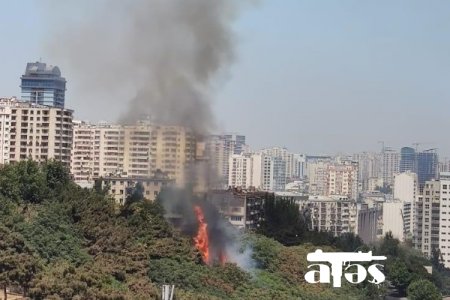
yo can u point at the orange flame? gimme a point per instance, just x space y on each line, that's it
201 240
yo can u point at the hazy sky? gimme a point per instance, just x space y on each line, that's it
314 76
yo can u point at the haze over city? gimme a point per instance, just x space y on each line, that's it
312 76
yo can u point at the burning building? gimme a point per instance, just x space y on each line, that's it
243 209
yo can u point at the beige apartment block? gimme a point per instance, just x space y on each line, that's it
32 131
426 233
122 187
5 129
133 151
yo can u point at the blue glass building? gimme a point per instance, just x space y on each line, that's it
43 84
428 162
408 160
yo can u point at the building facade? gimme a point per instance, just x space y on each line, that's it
5 130
335 214
444 219
32 131
101 150
242 208
427 225
427 166
120 188
42 84
390 165
342 179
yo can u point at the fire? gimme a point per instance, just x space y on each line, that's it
201 240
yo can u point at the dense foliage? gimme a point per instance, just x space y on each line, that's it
59 241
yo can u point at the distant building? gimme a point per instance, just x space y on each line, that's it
428 215
317 177
240 171
406 189
42 84
120 188
370 222
342 179
219 148
369 169
139 150
242 208
335 214
390 165
393 219
444 217
407 160
374 183
427 166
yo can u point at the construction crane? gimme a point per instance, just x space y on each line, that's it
417 144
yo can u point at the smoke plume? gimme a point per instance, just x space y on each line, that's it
225 241
145 57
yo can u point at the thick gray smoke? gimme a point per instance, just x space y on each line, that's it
224 239
146 57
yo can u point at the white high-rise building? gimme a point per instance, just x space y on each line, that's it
335 214
405 191
369 167
33 131
286 156
5 130
405 186
390 165
427 224
444 219
240 174
219 149
257 170
392 219
299 171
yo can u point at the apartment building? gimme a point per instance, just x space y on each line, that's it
317 176
122 187
258 170
33 131
5 130
370 222
240 171
390 165
133 151
444 219
244 209
369 169
342 179
426 230
335 214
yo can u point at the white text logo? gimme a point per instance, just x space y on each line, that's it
354 273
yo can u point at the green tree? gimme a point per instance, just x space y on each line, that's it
423 290
23 182
282 221
399 274
389 245
18 265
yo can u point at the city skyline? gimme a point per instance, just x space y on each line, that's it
351 75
